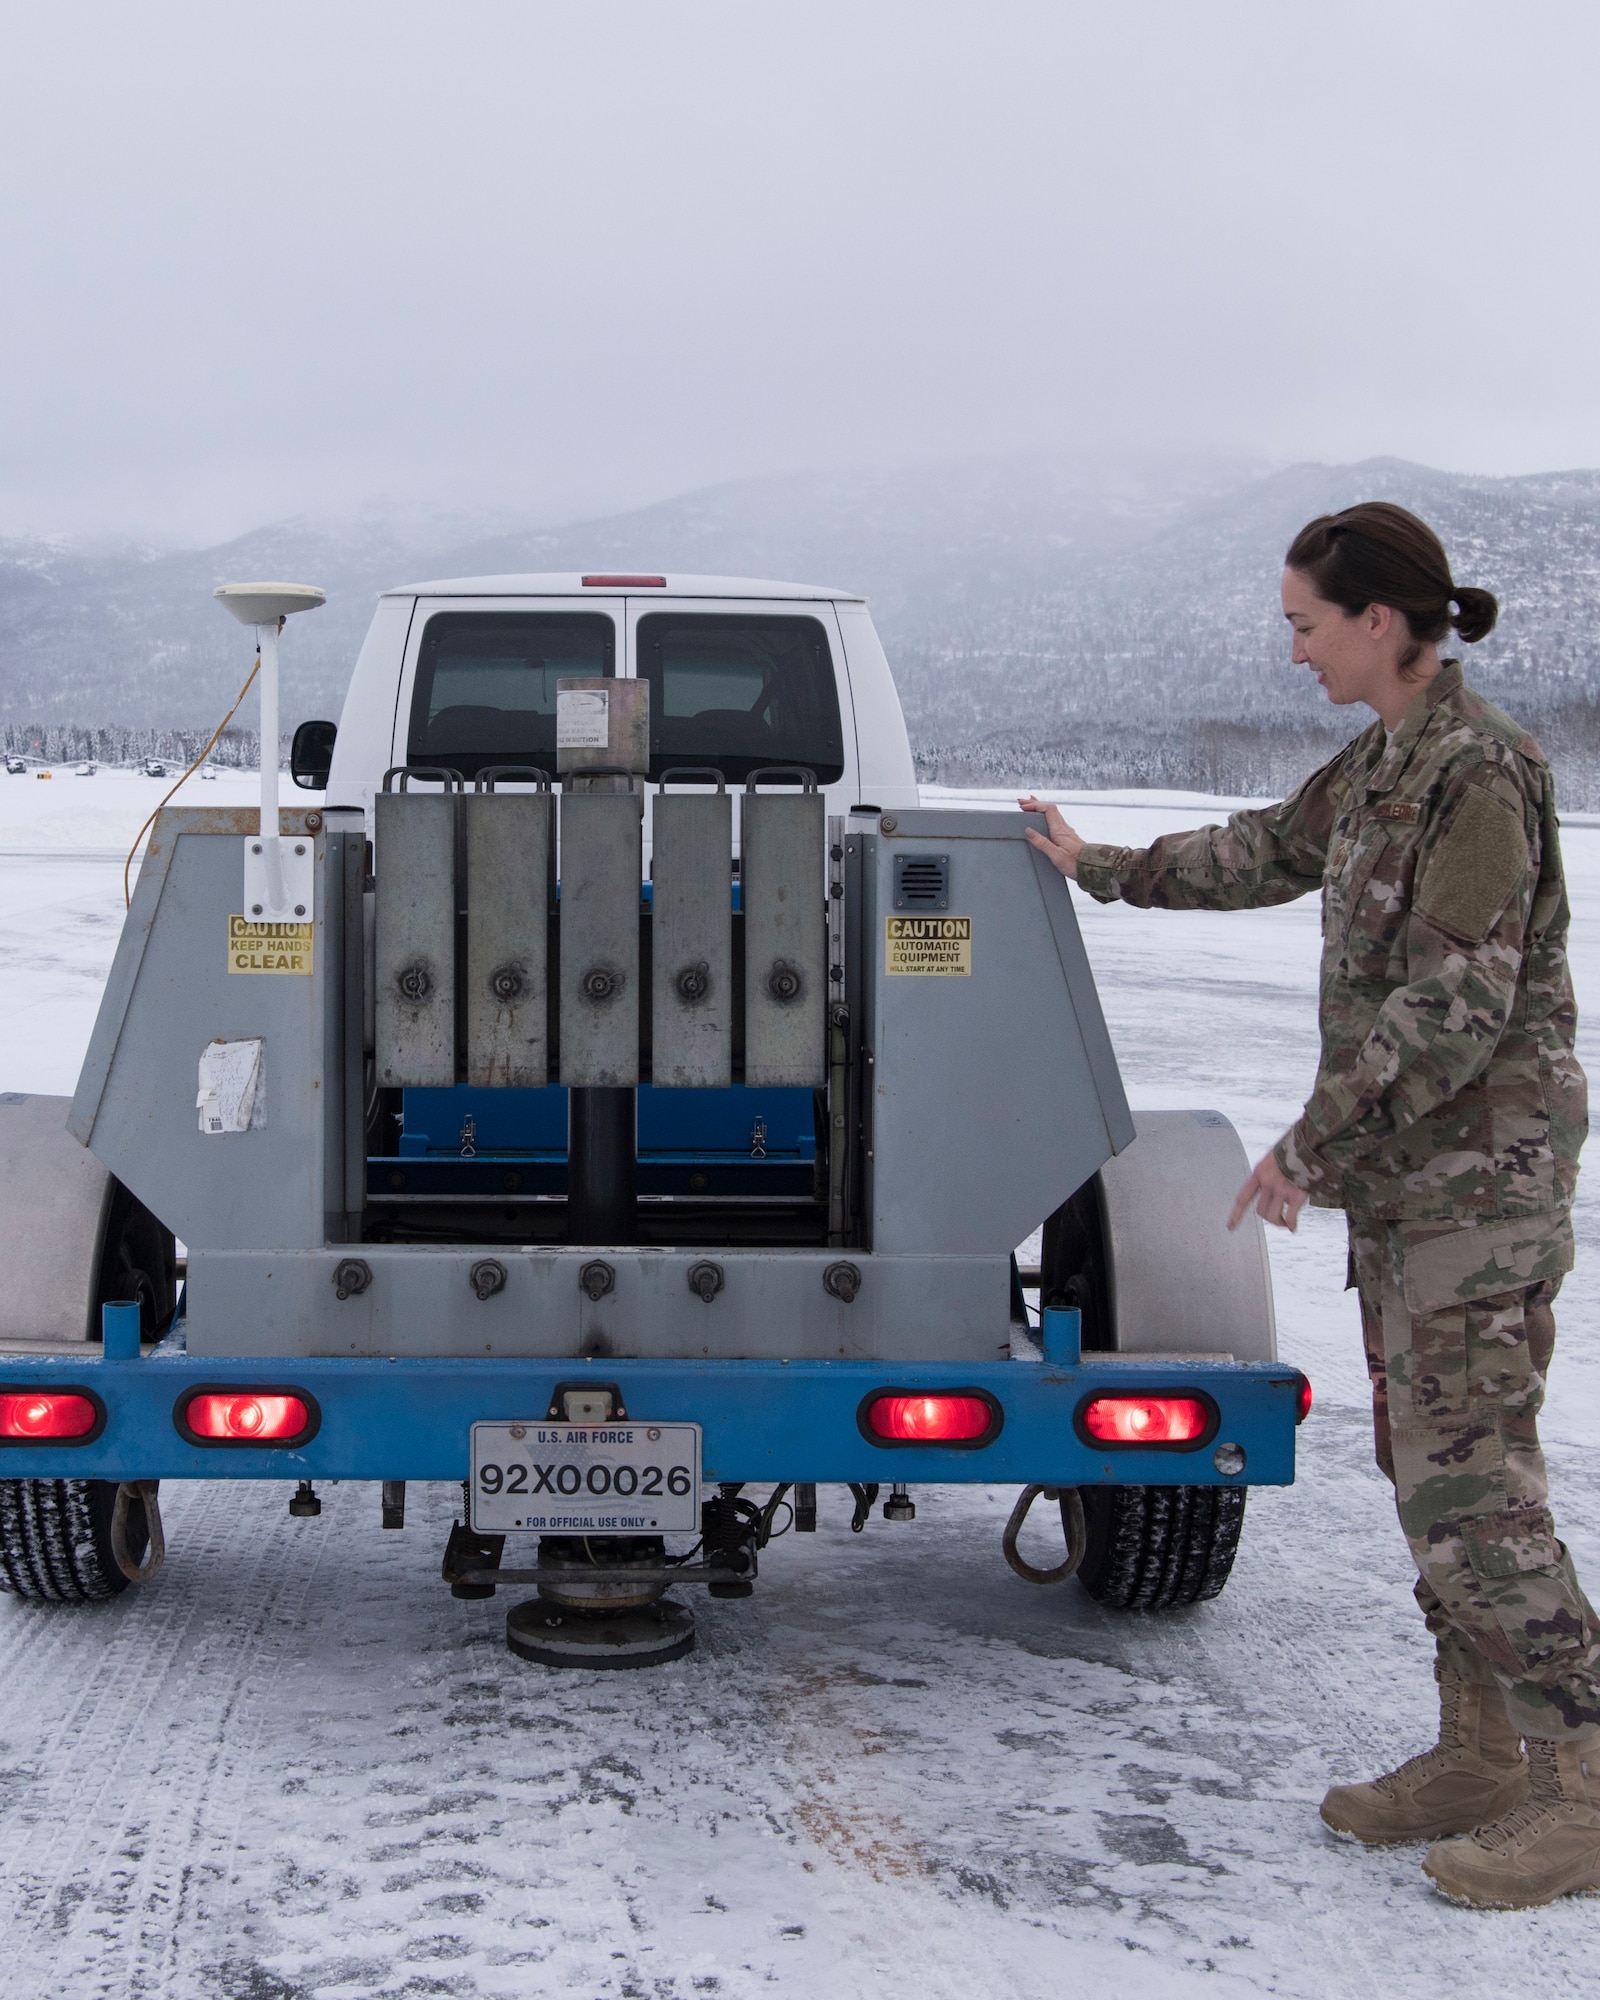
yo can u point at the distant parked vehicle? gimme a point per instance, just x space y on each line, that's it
209 775
16 767
154 768
86 770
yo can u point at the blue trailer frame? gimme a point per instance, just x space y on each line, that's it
406 1418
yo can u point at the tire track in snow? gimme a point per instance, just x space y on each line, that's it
293 1777
154 1745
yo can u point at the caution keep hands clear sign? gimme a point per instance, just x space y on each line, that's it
256 947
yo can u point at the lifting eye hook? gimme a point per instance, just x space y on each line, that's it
1073 1526
144 1490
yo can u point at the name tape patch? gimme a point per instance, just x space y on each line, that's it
939 947
1394 809
256 947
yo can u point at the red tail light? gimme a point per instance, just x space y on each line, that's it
624 583
44 1414
962 1418
1145 1419
1302 1407
247 1416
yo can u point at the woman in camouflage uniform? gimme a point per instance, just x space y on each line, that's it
1446 1120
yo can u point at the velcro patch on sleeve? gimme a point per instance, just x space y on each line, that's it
1469 877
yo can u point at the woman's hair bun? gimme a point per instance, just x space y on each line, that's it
1476 611
1378 553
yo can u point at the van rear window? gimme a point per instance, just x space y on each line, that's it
739 691
486 684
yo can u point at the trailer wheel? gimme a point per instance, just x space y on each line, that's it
55 1540
1152 1548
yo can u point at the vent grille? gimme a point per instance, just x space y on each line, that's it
922 881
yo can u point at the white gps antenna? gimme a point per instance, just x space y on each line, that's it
277 883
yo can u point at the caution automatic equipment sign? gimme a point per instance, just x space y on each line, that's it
268 947
929 946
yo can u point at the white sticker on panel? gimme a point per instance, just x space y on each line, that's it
583 719
232 1095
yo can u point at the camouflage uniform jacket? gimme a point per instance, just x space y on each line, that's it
1448 1089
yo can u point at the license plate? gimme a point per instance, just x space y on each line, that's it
586 1479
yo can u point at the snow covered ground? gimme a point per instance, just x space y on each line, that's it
297 1767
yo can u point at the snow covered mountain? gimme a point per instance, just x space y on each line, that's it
1076 621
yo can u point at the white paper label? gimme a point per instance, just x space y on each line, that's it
231 1097
583 719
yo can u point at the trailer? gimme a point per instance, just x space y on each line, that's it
621 1096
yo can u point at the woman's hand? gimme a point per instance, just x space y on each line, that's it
1061 844
1277 1199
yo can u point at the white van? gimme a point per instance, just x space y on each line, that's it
742 675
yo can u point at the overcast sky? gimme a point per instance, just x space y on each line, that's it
262 260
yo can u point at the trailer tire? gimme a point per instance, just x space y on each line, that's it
1154 1548
55 1540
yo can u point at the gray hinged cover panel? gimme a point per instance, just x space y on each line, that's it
994 1090
510 877
414 873
783 881
691 1037
281 1182
601 864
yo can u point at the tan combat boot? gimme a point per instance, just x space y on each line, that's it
1474 1773
1548 1847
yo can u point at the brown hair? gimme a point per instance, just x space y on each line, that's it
1378 553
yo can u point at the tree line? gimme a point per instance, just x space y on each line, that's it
74 743
1236 759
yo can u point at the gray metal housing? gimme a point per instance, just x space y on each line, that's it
985 1097
772 1303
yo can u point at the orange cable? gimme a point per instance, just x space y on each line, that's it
127 896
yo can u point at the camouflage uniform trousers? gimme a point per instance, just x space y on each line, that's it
1458 1358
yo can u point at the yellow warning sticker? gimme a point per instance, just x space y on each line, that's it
268 947
939 946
